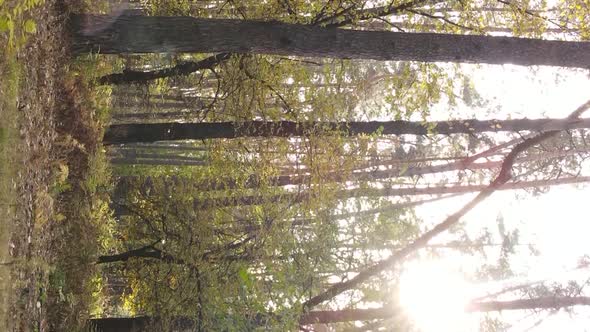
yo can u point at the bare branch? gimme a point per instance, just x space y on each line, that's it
504 176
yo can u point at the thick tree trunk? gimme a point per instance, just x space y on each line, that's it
132 133
337 20
120 324
145 34
141 324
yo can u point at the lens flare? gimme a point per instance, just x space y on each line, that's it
434 297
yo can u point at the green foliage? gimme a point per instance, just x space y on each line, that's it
15 24
240 242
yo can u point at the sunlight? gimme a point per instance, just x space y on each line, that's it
434 296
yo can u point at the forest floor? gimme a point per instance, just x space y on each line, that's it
54 177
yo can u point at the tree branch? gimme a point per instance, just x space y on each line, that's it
504 176
185 68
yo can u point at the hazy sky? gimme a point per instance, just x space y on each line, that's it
558 222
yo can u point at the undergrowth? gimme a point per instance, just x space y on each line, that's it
75 283
77 223
17 23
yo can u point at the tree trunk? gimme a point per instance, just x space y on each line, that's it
132 133
167 146
145 34
549 302
345 315
337 20
145 252
141 324
376 192
348 315
156 162
144 323
402 170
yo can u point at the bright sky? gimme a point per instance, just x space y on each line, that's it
556 222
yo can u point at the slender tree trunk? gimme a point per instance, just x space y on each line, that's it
168 146
348 315
142 158
345 315
374 192
145 323
156 105
131 133
253 181
153 34
154 116
156 162
137 95
146 252
549 302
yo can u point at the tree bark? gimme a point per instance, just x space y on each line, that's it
146 323
155 162
145 252
141 324
549 302
402 170
141 132
345 315
142 158
375 192
338 20
181 69
153 34
348 315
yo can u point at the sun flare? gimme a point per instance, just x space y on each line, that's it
434 297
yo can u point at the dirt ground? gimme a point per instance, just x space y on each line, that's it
32 158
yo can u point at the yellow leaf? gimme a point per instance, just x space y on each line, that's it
30 26
59 217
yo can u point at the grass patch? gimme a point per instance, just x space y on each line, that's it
17 23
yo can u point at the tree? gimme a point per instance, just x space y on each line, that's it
324 18
139 324
346 315
141 34
142 132
132 324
